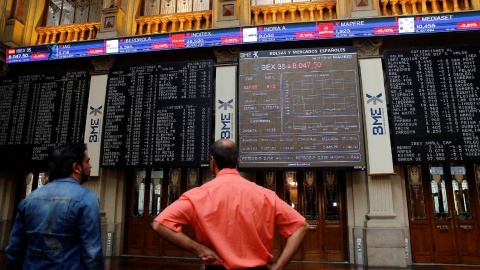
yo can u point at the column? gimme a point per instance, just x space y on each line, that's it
226 85
385 237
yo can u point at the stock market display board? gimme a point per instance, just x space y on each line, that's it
435 104
300 108
39 112
158 115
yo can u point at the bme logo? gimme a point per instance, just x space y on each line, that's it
225 105
374 99
226 119
94 124
377 115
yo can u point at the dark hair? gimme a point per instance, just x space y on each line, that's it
225 154
63 157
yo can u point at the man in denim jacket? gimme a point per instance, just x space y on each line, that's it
58 225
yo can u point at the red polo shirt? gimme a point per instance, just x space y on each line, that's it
235 217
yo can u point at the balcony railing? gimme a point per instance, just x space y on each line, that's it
293 12
174 22
67 32
390 7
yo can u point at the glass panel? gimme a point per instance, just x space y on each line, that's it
269 181
291 192
68 11
184 6
28 184
81 11
139 193
310 196
193 178
174 185
152 7
476 168
42 179
417 202
263 2
332 204
439 193
200 5
156 192
54 8
95 13
168 6
460 193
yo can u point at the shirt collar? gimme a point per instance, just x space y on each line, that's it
227 171
68 179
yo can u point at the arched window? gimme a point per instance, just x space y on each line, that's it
61 12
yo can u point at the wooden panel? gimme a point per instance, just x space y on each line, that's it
334 242
421 243
444 244
449 241
312 245
153 242
135 238
467 244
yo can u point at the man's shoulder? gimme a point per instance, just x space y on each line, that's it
62 188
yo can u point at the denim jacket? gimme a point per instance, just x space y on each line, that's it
57 227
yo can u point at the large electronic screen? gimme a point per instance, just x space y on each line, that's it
435 104
158 115
300 108
39 112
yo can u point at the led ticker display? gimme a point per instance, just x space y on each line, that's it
351 28
300 108
211 38
78 49
362 28
438 23
275 33
28 54
138 44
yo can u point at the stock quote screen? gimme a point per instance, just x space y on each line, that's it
300 108
434 100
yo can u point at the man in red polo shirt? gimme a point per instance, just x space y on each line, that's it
233 218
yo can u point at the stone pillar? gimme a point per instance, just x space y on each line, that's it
385 233
33 10
115 205
381 212
112 24
17 10
12 35
360 9
357 208
225 92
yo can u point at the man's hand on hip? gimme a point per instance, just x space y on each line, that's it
207 254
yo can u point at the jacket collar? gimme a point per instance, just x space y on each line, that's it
67 179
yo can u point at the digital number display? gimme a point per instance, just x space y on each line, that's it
28 54
434 100
78 49
351 28
300 108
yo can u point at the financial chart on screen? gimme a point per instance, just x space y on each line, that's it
300 108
